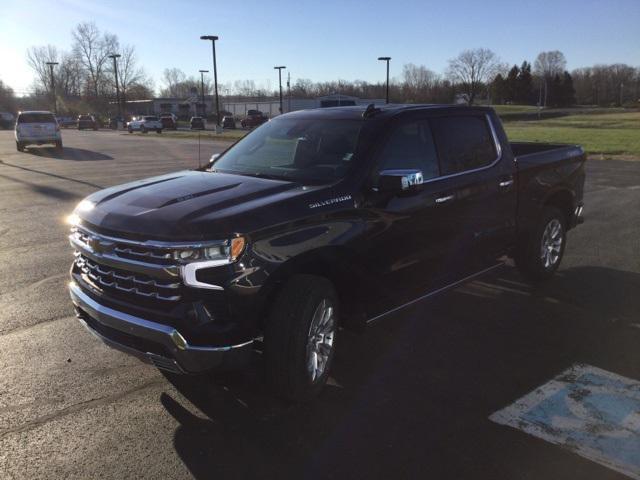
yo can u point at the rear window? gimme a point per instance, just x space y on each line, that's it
36 118
463 143
85 117
151 118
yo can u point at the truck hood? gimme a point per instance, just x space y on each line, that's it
190 205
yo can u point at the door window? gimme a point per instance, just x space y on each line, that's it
410 146
464 143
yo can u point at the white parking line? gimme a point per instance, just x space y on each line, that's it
590 411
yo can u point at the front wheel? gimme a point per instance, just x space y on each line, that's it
299 338
59 145
20 146
538 257
159 130
143 129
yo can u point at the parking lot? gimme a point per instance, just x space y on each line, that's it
410 398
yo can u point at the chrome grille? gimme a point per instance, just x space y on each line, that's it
128 282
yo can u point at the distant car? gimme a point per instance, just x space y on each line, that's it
87 122
253 119
145 124
6 120
65 122
197 123
37 128
169 121
228 121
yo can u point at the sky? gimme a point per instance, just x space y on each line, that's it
324 40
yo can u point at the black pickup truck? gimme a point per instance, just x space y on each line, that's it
317 220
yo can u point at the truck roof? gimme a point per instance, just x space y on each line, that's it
387 110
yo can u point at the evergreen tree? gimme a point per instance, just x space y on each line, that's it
568 91
512 84
524 87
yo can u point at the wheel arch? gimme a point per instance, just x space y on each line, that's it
563 200
338 264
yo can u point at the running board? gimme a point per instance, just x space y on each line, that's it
435 292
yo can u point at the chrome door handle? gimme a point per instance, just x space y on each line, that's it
506 183
448 198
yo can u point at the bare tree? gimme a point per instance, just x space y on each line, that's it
548 65
473 69
172 78
93 49
418 82
7 98
129 73
37 58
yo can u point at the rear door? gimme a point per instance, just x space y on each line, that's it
481 182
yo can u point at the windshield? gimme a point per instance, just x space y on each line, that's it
297 149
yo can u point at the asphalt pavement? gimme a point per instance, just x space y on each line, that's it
409 398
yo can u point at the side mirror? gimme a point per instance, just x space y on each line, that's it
404 180
213 158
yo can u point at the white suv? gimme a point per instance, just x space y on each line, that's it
145 124
37 128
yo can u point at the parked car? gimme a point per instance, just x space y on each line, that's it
7 120
228 121
37 128
66 122
169 121
145 124
253 119
319 219
197 123
88 122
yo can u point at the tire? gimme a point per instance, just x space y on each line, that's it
59 145
539 255
143 129
130 130
20 146
290 352
159 130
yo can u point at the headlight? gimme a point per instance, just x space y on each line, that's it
83 206
228 251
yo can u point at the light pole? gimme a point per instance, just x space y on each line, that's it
280 82
202 72
53 87
115 57
213 39
386 59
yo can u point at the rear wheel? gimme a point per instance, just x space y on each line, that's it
143 129
159 130
539 255
59 145
20 146
299 338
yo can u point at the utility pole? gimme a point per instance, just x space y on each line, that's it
213 39
621 93
280 83
289 91
115 57
386 59
53 87
202 72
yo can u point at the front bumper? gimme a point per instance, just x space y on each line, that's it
154 342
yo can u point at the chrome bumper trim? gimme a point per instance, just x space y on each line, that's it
190 358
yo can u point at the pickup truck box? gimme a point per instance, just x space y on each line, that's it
318 219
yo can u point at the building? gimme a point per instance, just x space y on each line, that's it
191 107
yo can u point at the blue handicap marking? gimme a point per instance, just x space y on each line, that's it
593 412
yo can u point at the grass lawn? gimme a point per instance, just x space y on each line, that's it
607 134
225 136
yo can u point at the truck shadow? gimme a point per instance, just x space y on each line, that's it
68 153
414 392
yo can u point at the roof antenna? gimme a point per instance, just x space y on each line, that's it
370 111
